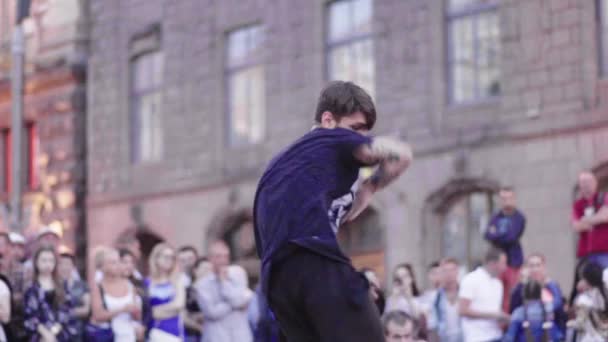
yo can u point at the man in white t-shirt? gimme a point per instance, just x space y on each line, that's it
480 299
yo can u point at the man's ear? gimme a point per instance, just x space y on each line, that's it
328 120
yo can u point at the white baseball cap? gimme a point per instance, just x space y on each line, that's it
16 238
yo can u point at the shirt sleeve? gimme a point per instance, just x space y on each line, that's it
212 310
348 141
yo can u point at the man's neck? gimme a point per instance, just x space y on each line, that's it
508 211
590 197
451 287
487 269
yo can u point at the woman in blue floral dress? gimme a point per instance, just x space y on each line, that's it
47 315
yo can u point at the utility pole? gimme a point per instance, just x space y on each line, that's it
17 126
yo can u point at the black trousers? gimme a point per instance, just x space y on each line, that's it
316 299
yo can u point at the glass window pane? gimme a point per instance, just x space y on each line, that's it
364 61
237 47
362 17
239 104
257 94
141 76
341 63
463 82
465 5
256 44
157 69
454 241
354 62
340 23
462 39
480 216
475 56
150 127
464 226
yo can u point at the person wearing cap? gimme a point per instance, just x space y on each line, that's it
49 236
17 242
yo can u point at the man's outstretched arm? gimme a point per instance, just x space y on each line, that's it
392 156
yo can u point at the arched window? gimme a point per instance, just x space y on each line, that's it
140 240
235 227
454 221
463 227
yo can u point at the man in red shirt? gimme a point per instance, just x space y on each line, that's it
590 220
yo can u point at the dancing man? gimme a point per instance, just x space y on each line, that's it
305 194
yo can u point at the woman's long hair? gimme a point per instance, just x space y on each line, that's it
155 273
532 292
414 288
593 273
57 283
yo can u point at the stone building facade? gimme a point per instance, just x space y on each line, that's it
489 92
54 114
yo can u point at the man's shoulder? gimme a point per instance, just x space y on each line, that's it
470 278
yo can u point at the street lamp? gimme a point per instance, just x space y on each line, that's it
18 60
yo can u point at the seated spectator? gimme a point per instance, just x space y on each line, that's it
186 258
444 317
193 319
533 321
405 293
224 298
481 299
47 313
591 323
114 300
166 296
434 279
76 292
399 327
551 293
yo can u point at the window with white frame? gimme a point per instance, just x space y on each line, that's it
473 46
349 42
246 85
146 107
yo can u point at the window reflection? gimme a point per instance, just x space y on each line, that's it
246 86
463 228
350 45
474 50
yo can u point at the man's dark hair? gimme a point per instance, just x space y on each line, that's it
532 290
493 254
400 318
434 264
68 256
124 252
506 189
450 260
343 99
188 249
410 269
200 260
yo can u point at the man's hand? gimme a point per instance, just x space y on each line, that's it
503 317
222 273
363 198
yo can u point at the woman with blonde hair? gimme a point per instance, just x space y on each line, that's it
166 296
116 307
